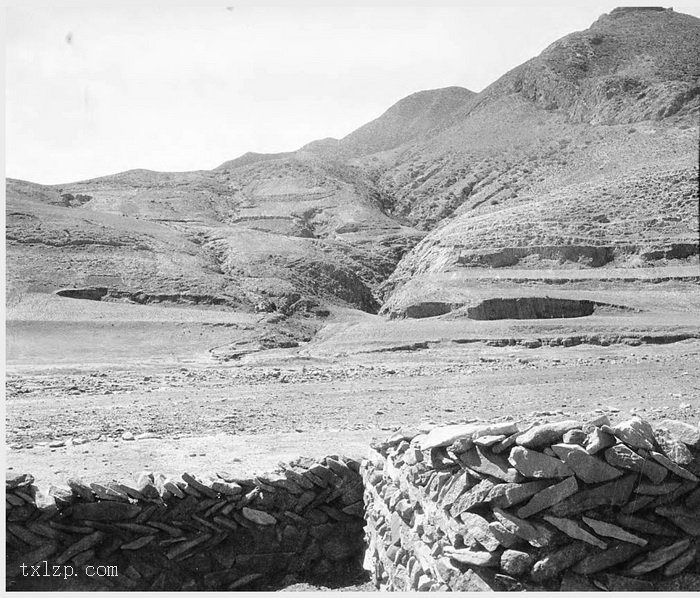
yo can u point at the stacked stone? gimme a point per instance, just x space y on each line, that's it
568 505
225 533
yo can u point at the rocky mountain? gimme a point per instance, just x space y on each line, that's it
583 158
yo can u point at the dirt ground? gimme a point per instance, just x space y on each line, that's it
333 395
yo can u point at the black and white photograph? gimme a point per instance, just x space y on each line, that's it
351 296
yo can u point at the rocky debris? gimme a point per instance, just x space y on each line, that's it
192 533
619 517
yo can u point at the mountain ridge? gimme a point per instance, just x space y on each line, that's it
440 176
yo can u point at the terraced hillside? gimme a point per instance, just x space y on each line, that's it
584 157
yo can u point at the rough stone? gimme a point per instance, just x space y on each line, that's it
534 464
574 436
598 440
479 529
681 562
619 583
505 537
473 557
534 534
446 435
549 497
515 562
686 519
644 525
454 489
105 511
658 558
587 468
623 456
682 431
558 560
572 582
610 530
482 461
573 530
672 467
489 441
546 434
673 448
635 432
613 493
472 498
412 456
507 495
599 560
259 517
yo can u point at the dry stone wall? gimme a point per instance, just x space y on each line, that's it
189 534
567 505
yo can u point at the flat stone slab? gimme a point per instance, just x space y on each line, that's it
599 560
587 468
548 497
105 511
534 534
446 435
573 530
635 432
672 448
471 498
613 493
483 461
598 440
546 434
624 457
603 528
479 530
508 495
658 558
558 560
682 431
534 464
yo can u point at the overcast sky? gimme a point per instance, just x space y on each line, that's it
94 91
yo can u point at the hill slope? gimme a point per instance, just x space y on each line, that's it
583 157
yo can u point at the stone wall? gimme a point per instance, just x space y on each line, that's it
555 506
192 534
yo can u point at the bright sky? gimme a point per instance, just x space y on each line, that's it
96 90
